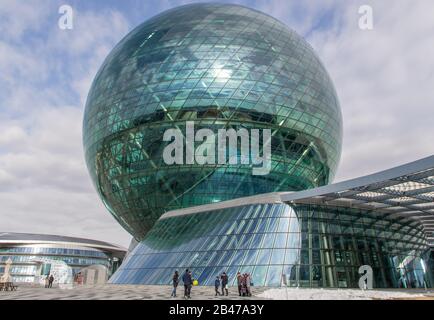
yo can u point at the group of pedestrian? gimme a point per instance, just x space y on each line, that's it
49 279
187 279
244 281
223 281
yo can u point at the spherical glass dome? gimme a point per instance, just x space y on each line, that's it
220 66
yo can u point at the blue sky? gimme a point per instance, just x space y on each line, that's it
384 79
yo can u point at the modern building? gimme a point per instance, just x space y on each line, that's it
31 254
313 238
222 67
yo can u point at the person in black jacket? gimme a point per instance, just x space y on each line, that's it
50 281
175 279
188 281
239 280
224 278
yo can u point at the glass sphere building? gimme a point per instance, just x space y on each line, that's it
221 66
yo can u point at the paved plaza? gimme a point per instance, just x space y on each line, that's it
120 292
141 292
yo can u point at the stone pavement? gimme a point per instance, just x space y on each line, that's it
121 292
142 292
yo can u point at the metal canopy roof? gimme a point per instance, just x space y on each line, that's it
407 191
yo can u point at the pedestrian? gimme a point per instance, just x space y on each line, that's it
175 280
239 279
244 285
217 286
188 281
224 278
248 284
47 278
50 281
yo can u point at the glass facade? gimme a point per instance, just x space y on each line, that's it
24 258
279 244
222 66
431 261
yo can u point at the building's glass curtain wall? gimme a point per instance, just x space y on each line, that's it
308 246
336 241
222 66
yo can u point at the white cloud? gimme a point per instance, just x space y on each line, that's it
384 79
12 136
44 184
5 177
34 210
18 17
300 16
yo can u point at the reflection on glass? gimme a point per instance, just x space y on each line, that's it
322 259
